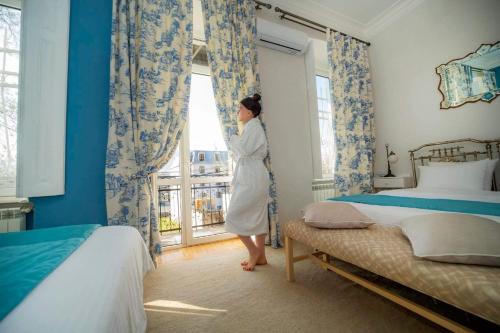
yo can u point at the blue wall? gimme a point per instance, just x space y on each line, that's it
86 122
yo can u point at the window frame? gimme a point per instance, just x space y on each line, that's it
41 145
323 74
15 4
186 180
8 193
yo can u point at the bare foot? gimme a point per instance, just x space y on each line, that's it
261 261
252 261
249 265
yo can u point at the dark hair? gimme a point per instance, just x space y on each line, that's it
252 104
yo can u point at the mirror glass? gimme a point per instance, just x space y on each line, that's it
475 77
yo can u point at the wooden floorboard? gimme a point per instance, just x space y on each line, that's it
196 251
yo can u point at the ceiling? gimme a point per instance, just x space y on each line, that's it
360 18
361 11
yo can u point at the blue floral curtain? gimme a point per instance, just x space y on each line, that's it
230 32
151 59
353 115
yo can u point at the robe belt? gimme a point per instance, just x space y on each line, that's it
255 158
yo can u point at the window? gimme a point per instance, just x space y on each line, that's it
42 114
194 186
10 36
325 126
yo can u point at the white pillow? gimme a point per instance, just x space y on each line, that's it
454 177
490 169
455 238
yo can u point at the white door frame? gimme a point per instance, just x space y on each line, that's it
186 181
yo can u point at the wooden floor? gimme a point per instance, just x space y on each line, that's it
174 238
209 249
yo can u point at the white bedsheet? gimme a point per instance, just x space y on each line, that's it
97 289
393 215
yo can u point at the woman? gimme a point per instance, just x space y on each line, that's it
247 214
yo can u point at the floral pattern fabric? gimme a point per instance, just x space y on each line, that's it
353 115
151 57
230 32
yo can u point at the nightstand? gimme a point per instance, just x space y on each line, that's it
390 183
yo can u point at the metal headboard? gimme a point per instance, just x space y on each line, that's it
454 150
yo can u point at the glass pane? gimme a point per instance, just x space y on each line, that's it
169 214
200 56
10 20
209 202
325 126
173 167
208 151
12 62
9 80
10 27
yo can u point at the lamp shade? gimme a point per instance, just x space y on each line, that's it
393 158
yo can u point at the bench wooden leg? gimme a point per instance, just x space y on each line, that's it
326 259
290 275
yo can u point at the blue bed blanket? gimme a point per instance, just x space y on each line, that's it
448 205
26 258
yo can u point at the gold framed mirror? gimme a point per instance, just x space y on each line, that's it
475 77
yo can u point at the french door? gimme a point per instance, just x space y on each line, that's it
194 187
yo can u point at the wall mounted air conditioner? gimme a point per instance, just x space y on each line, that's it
281 38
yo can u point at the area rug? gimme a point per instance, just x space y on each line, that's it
209 292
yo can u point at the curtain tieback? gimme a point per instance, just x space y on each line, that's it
140 176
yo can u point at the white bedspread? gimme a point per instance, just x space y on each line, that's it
97 289
393 215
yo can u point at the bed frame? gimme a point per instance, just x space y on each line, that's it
453 150
324 260
461 150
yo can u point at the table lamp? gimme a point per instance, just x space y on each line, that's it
391 158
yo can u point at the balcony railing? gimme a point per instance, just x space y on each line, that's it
169 208
209 203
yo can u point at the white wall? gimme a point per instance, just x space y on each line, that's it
285 112
403 60
285 108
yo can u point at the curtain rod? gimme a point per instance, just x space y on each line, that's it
285 14
322 28
259 3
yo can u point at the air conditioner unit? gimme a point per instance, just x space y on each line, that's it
281 38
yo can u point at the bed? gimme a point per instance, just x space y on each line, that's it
98 288
384 250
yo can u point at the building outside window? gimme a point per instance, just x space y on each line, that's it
325 126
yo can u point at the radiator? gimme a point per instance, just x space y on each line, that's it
13 215
322 189
12 220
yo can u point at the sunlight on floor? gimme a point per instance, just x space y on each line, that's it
180 308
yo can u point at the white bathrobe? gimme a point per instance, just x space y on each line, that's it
247 213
